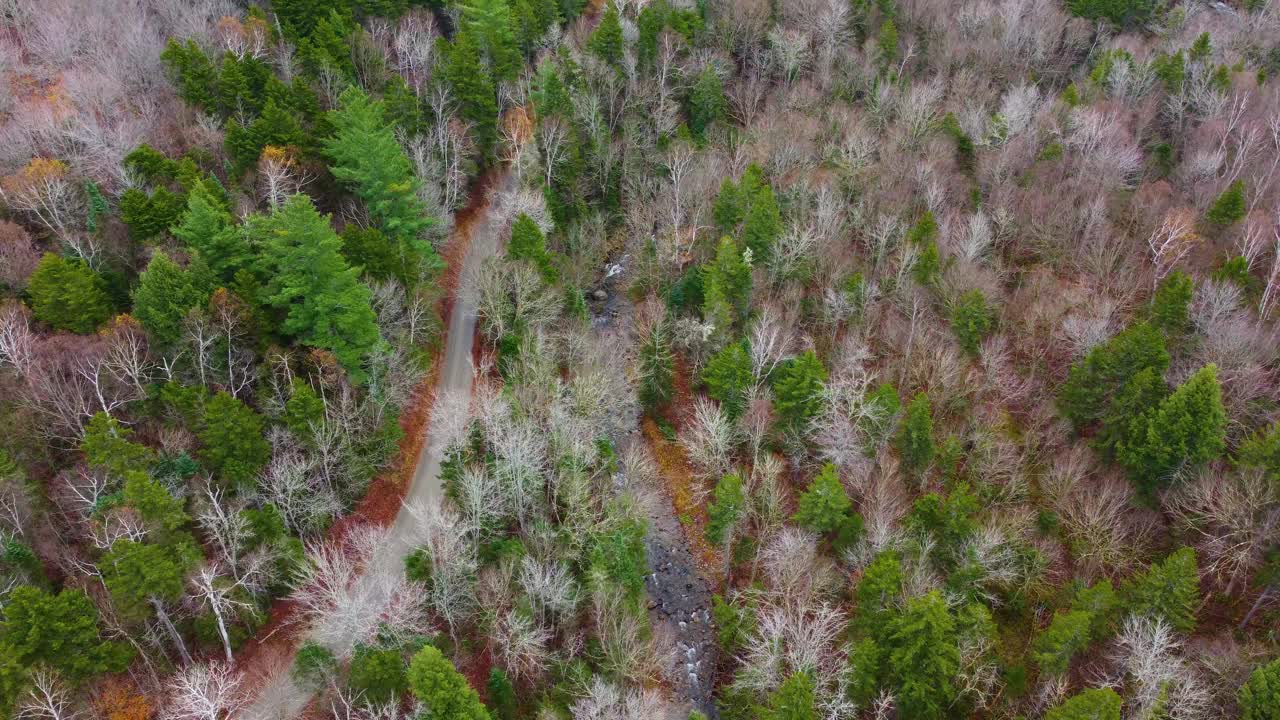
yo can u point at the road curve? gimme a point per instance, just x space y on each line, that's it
284 699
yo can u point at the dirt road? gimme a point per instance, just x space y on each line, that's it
282 698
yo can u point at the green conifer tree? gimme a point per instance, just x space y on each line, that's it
1186 430
706 102
763 224
68 294
472 88
439 686
1094 704
606 42
915 438
825 505
166 293
1169 589
1260 695
325 305
367 158
728 377
489 21
798 389
924 657
233 446
1171 301
1229 207
1091 382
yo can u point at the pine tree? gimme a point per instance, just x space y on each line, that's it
1187 429
154 503
763 224
1169 589
924 235
728 377
1068 634
529 244
915 438
472 88
367 158
59 631
655 365
1171 301
377 674
1106 368
489 21
729 275
972 320
166 293
924 657
1262 450
877 591
192 72
887 42
1124 422
502 695
149 215
1094 704
135 573
797 388
1260 695
439 686
726 508
106 446
730 206
233 446
1229 207
307 278
551 98
824 505
207 228
606 42
68 294
706 102
793 700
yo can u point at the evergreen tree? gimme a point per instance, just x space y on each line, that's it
606 42
528 243
135 574
233 447
502 695
728 277
763 224
797 387
726 508
306 276
192 72
972 320
300 17
1262 450
728 377
706 102
1229 207
489 21
1068 634
154 503
166 293
149 215
1187 429
207 229
915 438
1094 704
68 294
1260 695
655 365
551 98
442 689
1106 368
1123 424
368 159
824 505
887 42
106 446
924 658
730 206
877 591
1169 589
1169 306
378 675
924 235
472 88
58 631
793 700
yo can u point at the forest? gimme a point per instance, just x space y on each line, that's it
639 359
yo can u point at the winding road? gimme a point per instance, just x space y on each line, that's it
282 698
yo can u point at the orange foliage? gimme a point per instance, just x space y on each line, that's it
121 701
